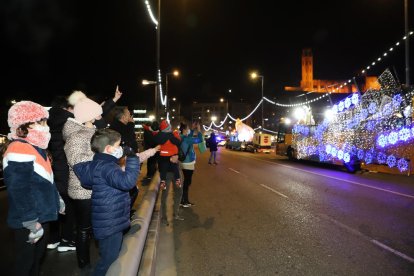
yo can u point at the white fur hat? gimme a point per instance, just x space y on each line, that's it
75 97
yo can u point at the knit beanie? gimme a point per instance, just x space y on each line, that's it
165 126
25 112
86 110
75 97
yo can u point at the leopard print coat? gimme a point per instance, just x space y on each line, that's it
77 149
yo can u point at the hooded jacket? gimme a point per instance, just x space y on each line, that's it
77 149
110 191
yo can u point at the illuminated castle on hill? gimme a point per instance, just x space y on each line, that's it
308 84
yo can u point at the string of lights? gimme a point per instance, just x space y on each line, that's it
155 21
341 85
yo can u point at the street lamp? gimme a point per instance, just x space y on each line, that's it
254 75
147 82
175 73
213 118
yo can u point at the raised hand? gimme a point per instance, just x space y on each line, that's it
117 95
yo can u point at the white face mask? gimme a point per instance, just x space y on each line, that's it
41 128
118 152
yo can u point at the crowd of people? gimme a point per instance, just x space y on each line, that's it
71 176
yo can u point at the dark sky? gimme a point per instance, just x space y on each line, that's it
51 47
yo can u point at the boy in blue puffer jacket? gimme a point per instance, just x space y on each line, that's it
110 186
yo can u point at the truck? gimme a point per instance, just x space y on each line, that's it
372 131
262 142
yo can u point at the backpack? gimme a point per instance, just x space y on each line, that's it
181 154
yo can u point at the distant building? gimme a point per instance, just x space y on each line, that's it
308 83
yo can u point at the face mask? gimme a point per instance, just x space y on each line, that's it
41 128
118 152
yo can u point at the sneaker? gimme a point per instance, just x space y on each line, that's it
66 246
53 245
191 204
185 205
178 218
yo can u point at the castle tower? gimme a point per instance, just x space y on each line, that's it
307 70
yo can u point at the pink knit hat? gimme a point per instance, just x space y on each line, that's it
86 110
26 112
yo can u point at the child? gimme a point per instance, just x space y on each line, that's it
32 195
169 141
110 186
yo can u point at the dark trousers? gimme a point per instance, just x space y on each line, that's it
29 256
152 165
188 175
83 210
165 165
108 250
133 194
63 228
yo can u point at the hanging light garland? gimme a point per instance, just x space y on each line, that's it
155 21
343 105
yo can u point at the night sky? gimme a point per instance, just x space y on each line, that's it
52 47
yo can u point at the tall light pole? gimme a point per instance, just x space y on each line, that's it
147 82
407 45
255 76
175 73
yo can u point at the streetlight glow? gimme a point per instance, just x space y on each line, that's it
221 100
213 118
146 82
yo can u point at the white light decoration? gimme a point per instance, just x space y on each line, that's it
299 113
329 114
155 21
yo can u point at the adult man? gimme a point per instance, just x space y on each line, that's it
124 124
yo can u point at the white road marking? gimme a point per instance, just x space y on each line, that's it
337 178
273 190
398 253
377 243
233 170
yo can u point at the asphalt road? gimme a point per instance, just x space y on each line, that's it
257 214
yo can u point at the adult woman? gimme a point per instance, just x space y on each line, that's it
77 134
189 137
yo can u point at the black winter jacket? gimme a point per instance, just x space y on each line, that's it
57 119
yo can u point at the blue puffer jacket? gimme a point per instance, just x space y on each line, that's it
110 191
187 143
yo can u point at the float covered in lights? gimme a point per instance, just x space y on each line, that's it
372 128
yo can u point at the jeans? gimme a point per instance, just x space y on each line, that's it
109 251
212 156
178 192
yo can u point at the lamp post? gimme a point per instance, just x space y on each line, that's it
147 82
255 76
175 73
